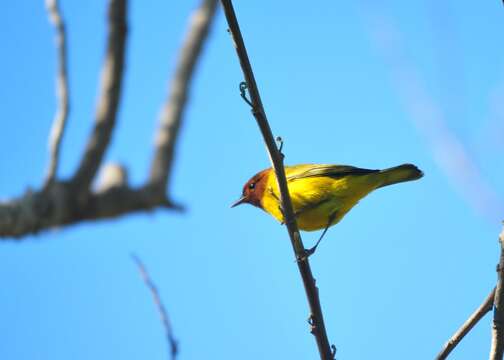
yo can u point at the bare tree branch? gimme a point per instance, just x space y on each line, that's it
172 342
497 347
172 112
316 319
111 80
61 203
58 206
61 116
476 316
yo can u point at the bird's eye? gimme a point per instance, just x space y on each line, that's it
252 186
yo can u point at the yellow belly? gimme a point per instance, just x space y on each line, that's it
316 199
318 218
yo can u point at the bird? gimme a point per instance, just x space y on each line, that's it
321 194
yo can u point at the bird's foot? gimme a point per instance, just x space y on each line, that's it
306 254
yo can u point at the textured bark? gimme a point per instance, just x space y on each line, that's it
58 204
61 203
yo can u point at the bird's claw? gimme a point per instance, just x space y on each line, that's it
306 254
333 351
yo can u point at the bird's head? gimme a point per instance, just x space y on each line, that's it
253 190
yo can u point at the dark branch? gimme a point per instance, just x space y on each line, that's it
111 80
172 342
172 112
497 348
57 205
316 317
478 314
61 116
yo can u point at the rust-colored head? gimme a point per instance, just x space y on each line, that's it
253 189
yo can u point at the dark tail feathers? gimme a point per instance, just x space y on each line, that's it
401 173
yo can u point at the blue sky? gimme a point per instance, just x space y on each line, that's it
371 84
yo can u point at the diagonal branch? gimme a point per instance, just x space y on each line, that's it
172 342
172 112
476 316
61 116
497 347
111 80
316 319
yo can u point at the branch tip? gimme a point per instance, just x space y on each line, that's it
243 93
62 92
280 143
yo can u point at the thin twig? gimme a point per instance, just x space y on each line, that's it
60 119
172 112
316 319
497 347
476 316
172 342
111 80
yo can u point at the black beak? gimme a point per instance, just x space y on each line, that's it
239 201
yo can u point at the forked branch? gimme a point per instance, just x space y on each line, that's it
61 203
478 314
316 317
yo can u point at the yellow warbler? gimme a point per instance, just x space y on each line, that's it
321 194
